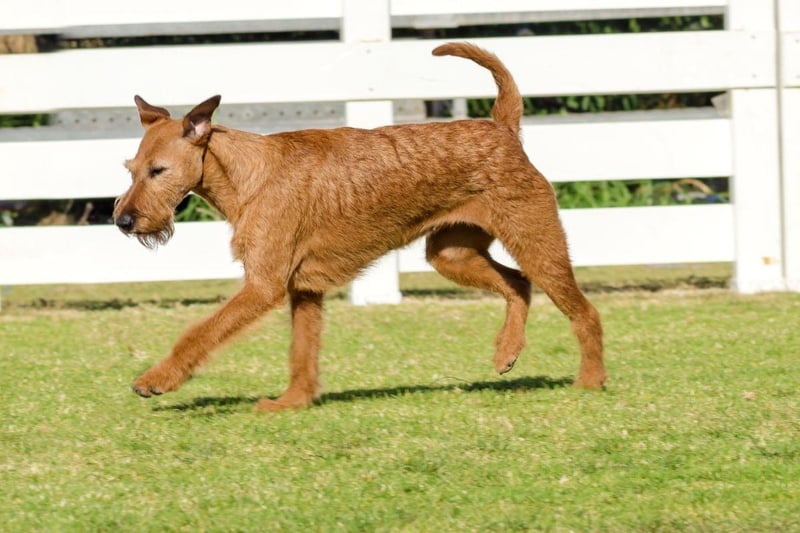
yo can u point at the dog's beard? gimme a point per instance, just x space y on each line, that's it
154 239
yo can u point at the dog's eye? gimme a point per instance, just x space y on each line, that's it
155 171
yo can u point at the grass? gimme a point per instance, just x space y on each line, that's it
699 429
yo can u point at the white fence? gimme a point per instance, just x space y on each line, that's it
756 141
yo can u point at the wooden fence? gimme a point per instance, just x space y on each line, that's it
753 138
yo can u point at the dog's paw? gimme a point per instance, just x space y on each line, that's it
508 349
504 360
158 380
268 405
594 381
289 400
504 365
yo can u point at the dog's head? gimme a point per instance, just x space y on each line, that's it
167 166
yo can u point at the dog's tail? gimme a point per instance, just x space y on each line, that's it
507 108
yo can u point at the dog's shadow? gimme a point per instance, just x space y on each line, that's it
226 404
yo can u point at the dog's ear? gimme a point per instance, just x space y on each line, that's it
149 114
197 122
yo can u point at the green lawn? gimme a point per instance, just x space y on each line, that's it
699 429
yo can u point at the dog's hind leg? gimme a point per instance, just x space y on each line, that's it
538 243
461 254
197 342
306 308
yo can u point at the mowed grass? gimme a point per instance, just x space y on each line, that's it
698 430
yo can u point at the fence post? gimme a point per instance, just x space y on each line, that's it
756 181
369 21
789 27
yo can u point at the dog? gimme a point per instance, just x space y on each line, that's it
310 209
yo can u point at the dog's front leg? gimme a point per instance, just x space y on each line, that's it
304 354
197 342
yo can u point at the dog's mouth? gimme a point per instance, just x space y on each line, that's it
152 239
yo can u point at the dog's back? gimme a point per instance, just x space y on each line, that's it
453 156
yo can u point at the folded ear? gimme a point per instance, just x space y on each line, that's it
197 122
149 114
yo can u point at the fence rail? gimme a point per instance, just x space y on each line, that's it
755 60
654 62
91 18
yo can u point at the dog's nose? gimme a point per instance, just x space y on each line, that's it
125 222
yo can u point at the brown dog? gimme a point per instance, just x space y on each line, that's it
310 209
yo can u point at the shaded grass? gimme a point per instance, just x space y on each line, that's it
594 280
698 429
168 294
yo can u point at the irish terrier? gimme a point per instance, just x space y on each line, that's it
310 209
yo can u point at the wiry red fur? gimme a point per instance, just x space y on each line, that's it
310 209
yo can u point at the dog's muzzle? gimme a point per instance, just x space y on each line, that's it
125 222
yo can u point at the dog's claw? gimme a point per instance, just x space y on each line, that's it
146 392
140 392
158 380
505 368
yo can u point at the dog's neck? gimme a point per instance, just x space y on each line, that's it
229 164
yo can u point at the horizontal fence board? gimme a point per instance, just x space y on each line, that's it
628 150
563 151
789 15
83 18
334 71
443 13
101 17
650 235
790 59
628 236
101 254
65 169
199 250
443 7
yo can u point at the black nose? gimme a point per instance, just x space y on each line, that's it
125 222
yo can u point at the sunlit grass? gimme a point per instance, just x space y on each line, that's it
698 430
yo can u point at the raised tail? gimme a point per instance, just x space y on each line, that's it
507 108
